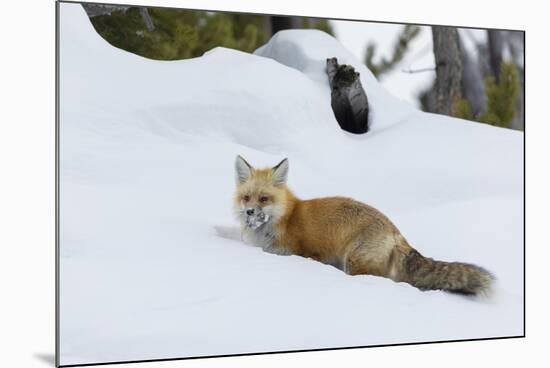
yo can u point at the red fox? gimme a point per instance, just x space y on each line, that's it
339 231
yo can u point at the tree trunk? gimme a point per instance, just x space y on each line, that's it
448 68
496 45
472 87
516 42
279 23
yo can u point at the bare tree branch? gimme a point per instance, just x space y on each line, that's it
421 70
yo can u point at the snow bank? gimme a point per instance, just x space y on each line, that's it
308 50
147 150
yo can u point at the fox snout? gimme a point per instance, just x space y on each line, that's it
257 212
255 217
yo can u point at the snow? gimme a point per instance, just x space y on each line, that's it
147 268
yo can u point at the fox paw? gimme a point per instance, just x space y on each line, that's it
277 250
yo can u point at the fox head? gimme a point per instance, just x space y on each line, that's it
261 194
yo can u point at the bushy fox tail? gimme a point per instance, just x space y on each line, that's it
456 277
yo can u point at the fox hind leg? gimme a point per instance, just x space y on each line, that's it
363 262
376 256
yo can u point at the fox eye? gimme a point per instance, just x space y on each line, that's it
264 199
246 198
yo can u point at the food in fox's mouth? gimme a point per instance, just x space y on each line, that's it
257 220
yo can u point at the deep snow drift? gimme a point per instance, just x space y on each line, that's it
147 152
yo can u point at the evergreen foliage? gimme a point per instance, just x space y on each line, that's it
182 34
318 23
501 99
462 109
179 34
502 96
407 34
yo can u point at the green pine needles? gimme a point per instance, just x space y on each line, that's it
182 34
502 96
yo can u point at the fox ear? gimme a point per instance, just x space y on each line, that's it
280 172
242 169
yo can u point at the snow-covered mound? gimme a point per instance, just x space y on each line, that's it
308 50
147 150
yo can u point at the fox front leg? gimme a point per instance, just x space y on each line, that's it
277 250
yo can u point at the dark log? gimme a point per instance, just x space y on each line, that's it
348 98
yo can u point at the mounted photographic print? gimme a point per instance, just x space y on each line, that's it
235 183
